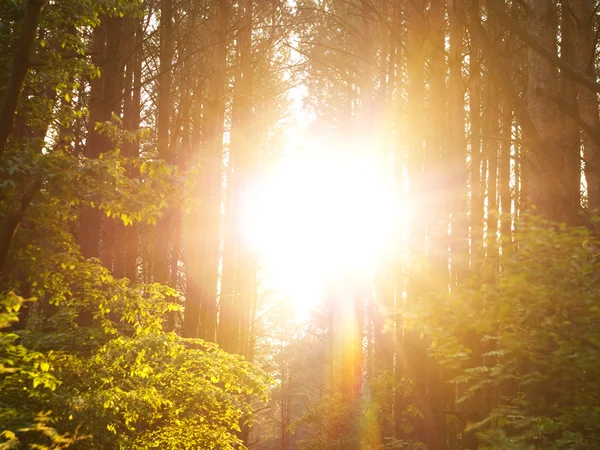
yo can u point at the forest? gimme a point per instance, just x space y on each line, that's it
300 224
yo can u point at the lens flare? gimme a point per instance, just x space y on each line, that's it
312 218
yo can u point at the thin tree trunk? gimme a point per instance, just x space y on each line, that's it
133 123
437 207
236 292
459 223
585 57
127 239
203 249
491 150
162 233
416 365
571 134
544 159
504 175
477 175
398 275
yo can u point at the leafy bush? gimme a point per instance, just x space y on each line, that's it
131 385
525 348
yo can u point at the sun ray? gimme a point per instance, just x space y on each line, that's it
316 215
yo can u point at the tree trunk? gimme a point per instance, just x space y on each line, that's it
20 66
238 270
131 122
201 310
585 56
11 222
105 99
544 159
504 183
459 224
163 232
416 366
570 130
477 175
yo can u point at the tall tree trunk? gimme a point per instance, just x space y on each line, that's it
238 270
163 231
200 319
113 76
89 222
193 240
570 141
131 122
477 176
416 365
585 49
505 169
12 92
383 343
20 66
437 207
459 224
397 264
491 150
105 99
544 159
119 230
504 182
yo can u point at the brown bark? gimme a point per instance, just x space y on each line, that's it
383 343
544 159
105 98
111 104
163 231
415 364
491 150
504 181
16 80
236 293
203 250
477 176
11 222
437 207
505 171
584 54
126 260
437 156
89 223
457 153
398 275
459 223
570 139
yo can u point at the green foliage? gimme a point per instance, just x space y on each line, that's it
121 382
21 371
529 342
85 363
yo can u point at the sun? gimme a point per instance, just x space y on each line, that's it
314 216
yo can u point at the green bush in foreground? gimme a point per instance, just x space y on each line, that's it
122 384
